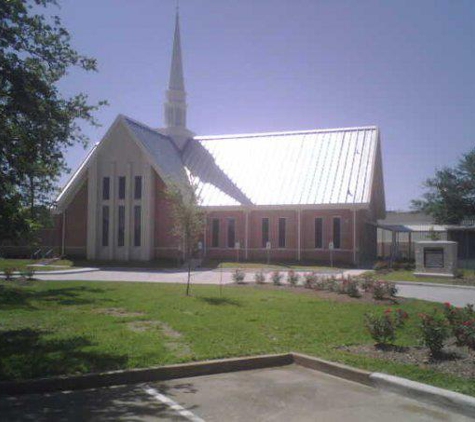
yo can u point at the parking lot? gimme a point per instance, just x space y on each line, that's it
289 393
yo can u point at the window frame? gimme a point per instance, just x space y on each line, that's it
322 244
215 232
233 243
266 239
335 218
282 241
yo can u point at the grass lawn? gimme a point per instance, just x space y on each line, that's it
23 264
264 265
51 328
401 275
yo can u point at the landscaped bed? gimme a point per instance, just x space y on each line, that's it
51 328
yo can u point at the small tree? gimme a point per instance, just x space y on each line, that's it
187 218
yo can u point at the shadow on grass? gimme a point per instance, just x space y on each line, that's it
218 301
13 296
30 353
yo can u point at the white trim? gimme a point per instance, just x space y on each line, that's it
291 207
296 132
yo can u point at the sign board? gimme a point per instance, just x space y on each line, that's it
434 257
200 245
268 245
237 245
331 246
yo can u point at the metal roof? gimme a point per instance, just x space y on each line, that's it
320 167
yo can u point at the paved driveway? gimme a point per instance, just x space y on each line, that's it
456 296
290 393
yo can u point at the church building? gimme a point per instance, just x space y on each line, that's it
302 195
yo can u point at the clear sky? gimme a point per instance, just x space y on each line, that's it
272 65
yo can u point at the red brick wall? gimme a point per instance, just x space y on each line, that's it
308 252
76 225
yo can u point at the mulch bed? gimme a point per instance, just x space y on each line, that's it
327 295
458 361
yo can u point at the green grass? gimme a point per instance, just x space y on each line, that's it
402 275
51 328
264 265
23 264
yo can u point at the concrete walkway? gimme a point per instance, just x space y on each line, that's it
455 295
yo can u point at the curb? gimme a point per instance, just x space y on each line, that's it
421 283
59 272
135 376
455 402
333 368
427 393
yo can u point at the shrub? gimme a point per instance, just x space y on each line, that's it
383 289
462 323
382 328
380 266
367 282
277 278
260 277
341 287
8 273
293 278
310 280
434 330
28 274
320 283
238 276
332 284
352 289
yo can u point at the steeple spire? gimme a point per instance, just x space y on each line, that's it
176 70
175 104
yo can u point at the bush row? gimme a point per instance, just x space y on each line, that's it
435 327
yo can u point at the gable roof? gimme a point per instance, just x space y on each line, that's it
160 151
316 168
320 167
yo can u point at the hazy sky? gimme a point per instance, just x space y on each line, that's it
272 65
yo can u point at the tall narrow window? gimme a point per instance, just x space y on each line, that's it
138 187
137 225
319 233
336 232
105 188
121 226
121 187
265 231
231 232
215 233
105 225
282 224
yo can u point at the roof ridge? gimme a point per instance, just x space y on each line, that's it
283 133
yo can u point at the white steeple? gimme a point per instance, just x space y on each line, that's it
175 104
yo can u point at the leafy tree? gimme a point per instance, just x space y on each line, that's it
37 123
450 195
187 219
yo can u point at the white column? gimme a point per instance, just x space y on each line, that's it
92 210
112 210
128 211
